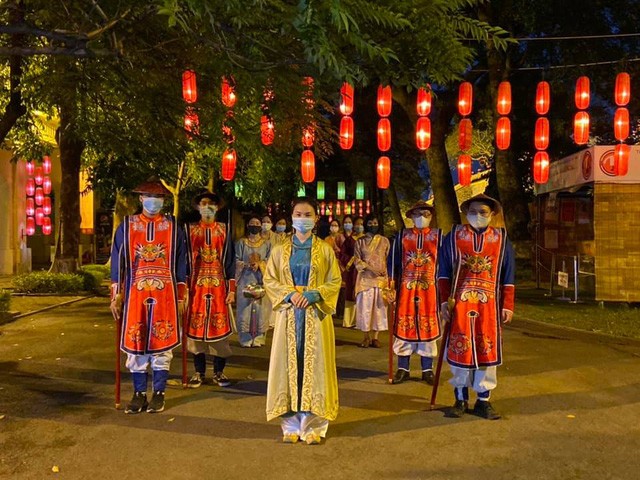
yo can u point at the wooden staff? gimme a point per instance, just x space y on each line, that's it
118 320
185 321
392 307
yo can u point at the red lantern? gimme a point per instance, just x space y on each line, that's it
30 188
46 185
383 172
503 133
46 205
308 166
621 160
543 98
384 101
346 133
384 134
346 99
31 226
464 170
623 89
423 103
30 210
39 216
39 176
465 134
465 98
191 122
423 133
46 226
541 167
267 130
621 124
46 164
504 98
582 97
39 196
541 140
189 90
228 164
30 168
581 128
308 136
228 92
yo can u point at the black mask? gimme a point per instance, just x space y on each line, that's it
372 229
254 229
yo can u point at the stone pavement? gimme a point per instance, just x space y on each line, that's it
571 404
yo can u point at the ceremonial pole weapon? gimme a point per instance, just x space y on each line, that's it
185 319
118 335
392 306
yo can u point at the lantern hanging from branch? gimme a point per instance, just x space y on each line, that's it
31 226
581 128
346 99
46 164
503 133
46 185
583 95
384 134
308 166
543 98
541 167
465 134
191 122
308 136
30 167
46 225
465 99
383 172
621 155
39 196
228 92
46 205
464 170
267 130
423 102
621 124
423 133
30 209
39 176
30 187
189 90
384 101
39 216
541 139
229 160
504 98
346 133
622 89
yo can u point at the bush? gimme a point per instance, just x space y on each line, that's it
103 269
5 301
91 279
46 282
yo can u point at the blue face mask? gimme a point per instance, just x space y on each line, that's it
153 205
303 225
348 227
280 228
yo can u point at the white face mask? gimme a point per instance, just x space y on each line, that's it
348 227
207 212
266 226
478 222
421 222
334 229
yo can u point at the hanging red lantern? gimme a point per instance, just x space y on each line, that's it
30 187
46 185
503 133
267 130
30 167
543 98
465 134
423 133
46 226
39 196
346 133
346 99
541 139
541 167
504 98
31 226
191 122
423 102
582 96
39 176
621 156
308 136
384 134
30 209
383 172
465 98
581 128
39 216
228 92
229 164
189 90
46 164
384 101
464 170
46 205
621 124
308 166
623 89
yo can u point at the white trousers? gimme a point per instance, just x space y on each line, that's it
140 363
481 380
221 348
349 316
371 311
303 424
424 349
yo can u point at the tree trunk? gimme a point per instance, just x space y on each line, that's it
396 214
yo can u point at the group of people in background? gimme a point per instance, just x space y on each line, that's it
291 280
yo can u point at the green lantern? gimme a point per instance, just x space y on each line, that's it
302 192
320 190
342 191
237 188
360 191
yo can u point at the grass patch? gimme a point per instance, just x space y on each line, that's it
5 301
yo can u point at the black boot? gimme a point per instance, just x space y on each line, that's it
429 377
400 376
137 404
459 409
485 410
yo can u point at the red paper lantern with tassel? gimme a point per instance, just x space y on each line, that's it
267 130
423 133
384 101
189 90
346 99
621 124
464 170
384 134
581 128
346 133
46 225
504 98
541 167
465 134
583 94
621 155
623 89
541 139
228 92
308 166
465 99
423 102
229 160
383 172
543 98
503 133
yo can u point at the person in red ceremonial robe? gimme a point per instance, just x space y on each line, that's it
148 293
477 295
413 263
211 270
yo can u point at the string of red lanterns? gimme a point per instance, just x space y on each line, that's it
383 168
423 125
308 158
581 120
38 202
503 127
267 125
347 127
191 122
622 152
465 132
229 157
541 135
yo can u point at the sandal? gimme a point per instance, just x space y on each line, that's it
375 343
364 344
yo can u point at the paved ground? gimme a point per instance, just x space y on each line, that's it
571 401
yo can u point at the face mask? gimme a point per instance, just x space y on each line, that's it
280 228
421 222
254 229
334 229
208 211
372 229
478 222
152 205
348 227
359 228
266 226
303 225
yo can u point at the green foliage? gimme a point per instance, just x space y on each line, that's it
5 301
93 276
46 282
